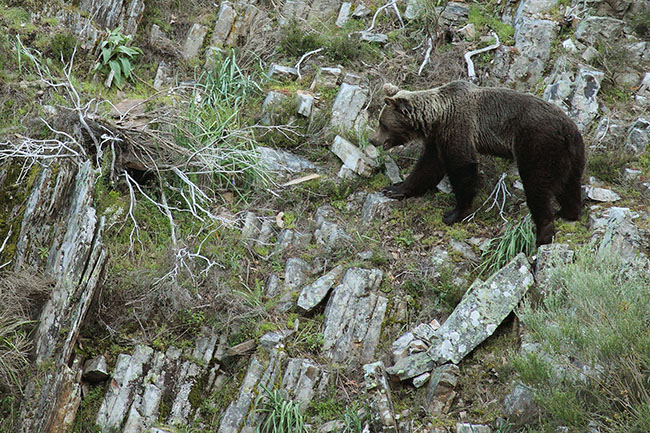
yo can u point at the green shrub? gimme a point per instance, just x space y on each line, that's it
296 41
482 20
594 358
518 237
62 46
115 58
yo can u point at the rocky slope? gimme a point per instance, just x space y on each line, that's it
180 307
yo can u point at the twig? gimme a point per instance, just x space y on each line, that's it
427 55
391 3
471 74
498 195
4 244
136 227
304 56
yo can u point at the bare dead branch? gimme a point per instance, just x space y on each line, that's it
498 196
304 56
427 55
471 74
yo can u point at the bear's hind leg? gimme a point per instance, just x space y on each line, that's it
570 199
464 181
426 174
538 200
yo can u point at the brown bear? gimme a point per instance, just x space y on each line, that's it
458 120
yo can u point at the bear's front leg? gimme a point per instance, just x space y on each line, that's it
464 181
426 174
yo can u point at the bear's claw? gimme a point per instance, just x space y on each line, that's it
394 192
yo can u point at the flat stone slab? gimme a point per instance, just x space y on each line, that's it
353 157
476 317
349 102
481 310
315 293
353 317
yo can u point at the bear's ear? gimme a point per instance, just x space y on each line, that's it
390 89
400 103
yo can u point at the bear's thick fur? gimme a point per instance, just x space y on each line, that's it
458 120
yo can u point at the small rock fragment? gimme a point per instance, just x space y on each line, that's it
96 370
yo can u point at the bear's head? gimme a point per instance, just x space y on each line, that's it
395 125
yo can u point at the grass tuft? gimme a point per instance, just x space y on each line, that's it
518 237
281 414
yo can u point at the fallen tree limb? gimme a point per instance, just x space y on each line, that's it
471 73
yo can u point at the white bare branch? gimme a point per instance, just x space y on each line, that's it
471 73
391 3
304 56
427 55
498 196
136 228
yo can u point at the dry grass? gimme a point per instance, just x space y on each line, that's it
21 296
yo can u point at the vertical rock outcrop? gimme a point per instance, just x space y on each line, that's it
59 214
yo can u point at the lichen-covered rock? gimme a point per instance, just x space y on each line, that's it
59 214
344 14
376 206
519 406
464 427
194 41
353 158
534 8
280 161
548 257
638 137
280 72
619 235
96 370
392 170
305 102
107 13
314 293
301 379
327 78
481 310
411 366
296 272
361 11
584 104
323 10
475 318
224 24
163 76
288 239
272 339
533 39
379 38
132 16
353 317
593 29
331 236
126 377
601 194
347 106
379 397
260 372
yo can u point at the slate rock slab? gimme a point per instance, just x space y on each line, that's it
481 310
315 293
476 317
353 317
